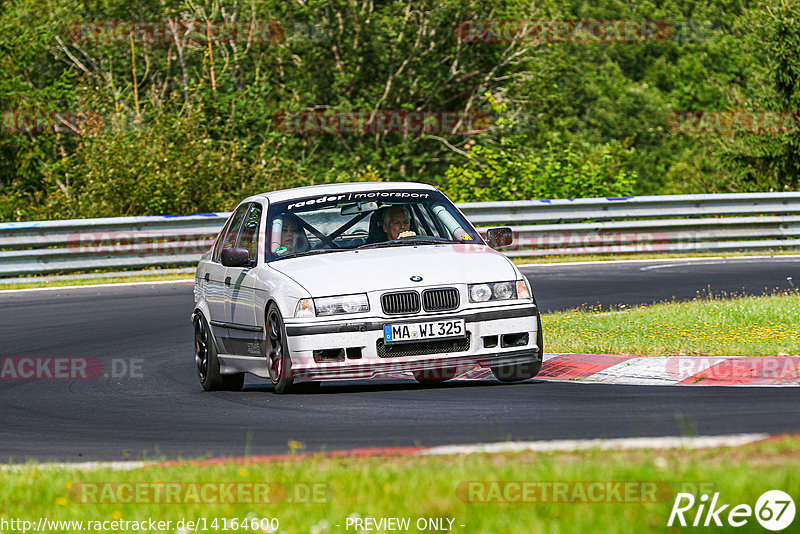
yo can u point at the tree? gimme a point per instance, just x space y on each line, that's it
511 170
771 160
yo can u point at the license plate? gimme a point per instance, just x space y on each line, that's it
392 333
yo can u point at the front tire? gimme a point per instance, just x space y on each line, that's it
278 360
207 363
517 372
526 370
431 377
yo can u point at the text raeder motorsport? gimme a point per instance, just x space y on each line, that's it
366 195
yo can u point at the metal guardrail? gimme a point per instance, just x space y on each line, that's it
613 225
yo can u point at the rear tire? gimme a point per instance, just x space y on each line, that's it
526 370
278 360
205 356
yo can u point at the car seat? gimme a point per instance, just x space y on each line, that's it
376 233
301 243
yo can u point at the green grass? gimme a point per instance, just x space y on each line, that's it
94 281
712 326
428 487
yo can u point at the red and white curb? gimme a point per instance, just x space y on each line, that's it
565 445
664 370
122 465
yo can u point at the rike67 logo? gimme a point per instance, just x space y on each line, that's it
774 510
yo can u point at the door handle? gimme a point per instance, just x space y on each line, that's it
228 281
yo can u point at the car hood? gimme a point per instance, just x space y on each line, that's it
340 273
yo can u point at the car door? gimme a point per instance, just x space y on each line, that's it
215 276
241 307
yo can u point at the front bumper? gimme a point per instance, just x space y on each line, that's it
360 343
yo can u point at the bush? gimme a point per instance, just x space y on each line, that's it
513 172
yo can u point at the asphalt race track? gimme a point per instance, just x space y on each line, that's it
161 411
630 283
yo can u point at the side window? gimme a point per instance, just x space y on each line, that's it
248 237
218 241
426 224
229 239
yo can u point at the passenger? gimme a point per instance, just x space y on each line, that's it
292 236
397 223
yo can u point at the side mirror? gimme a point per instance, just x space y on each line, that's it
235 257
499 237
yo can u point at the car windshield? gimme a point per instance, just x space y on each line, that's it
364 219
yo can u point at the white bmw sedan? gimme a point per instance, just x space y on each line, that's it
348 281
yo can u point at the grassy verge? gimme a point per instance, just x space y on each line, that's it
434 487
95 281
713 326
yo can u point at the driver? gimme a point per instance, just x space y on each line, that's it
396 223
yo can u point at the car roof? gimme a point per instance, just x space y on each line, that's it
333 189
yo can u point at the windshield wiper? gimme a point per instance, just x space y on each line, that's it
310 253
401 243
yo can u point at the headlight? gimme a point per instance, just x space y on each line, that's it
343 304
503 291
480 292
493 291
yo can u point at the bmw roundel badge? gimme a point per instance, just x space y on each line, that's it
416 278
